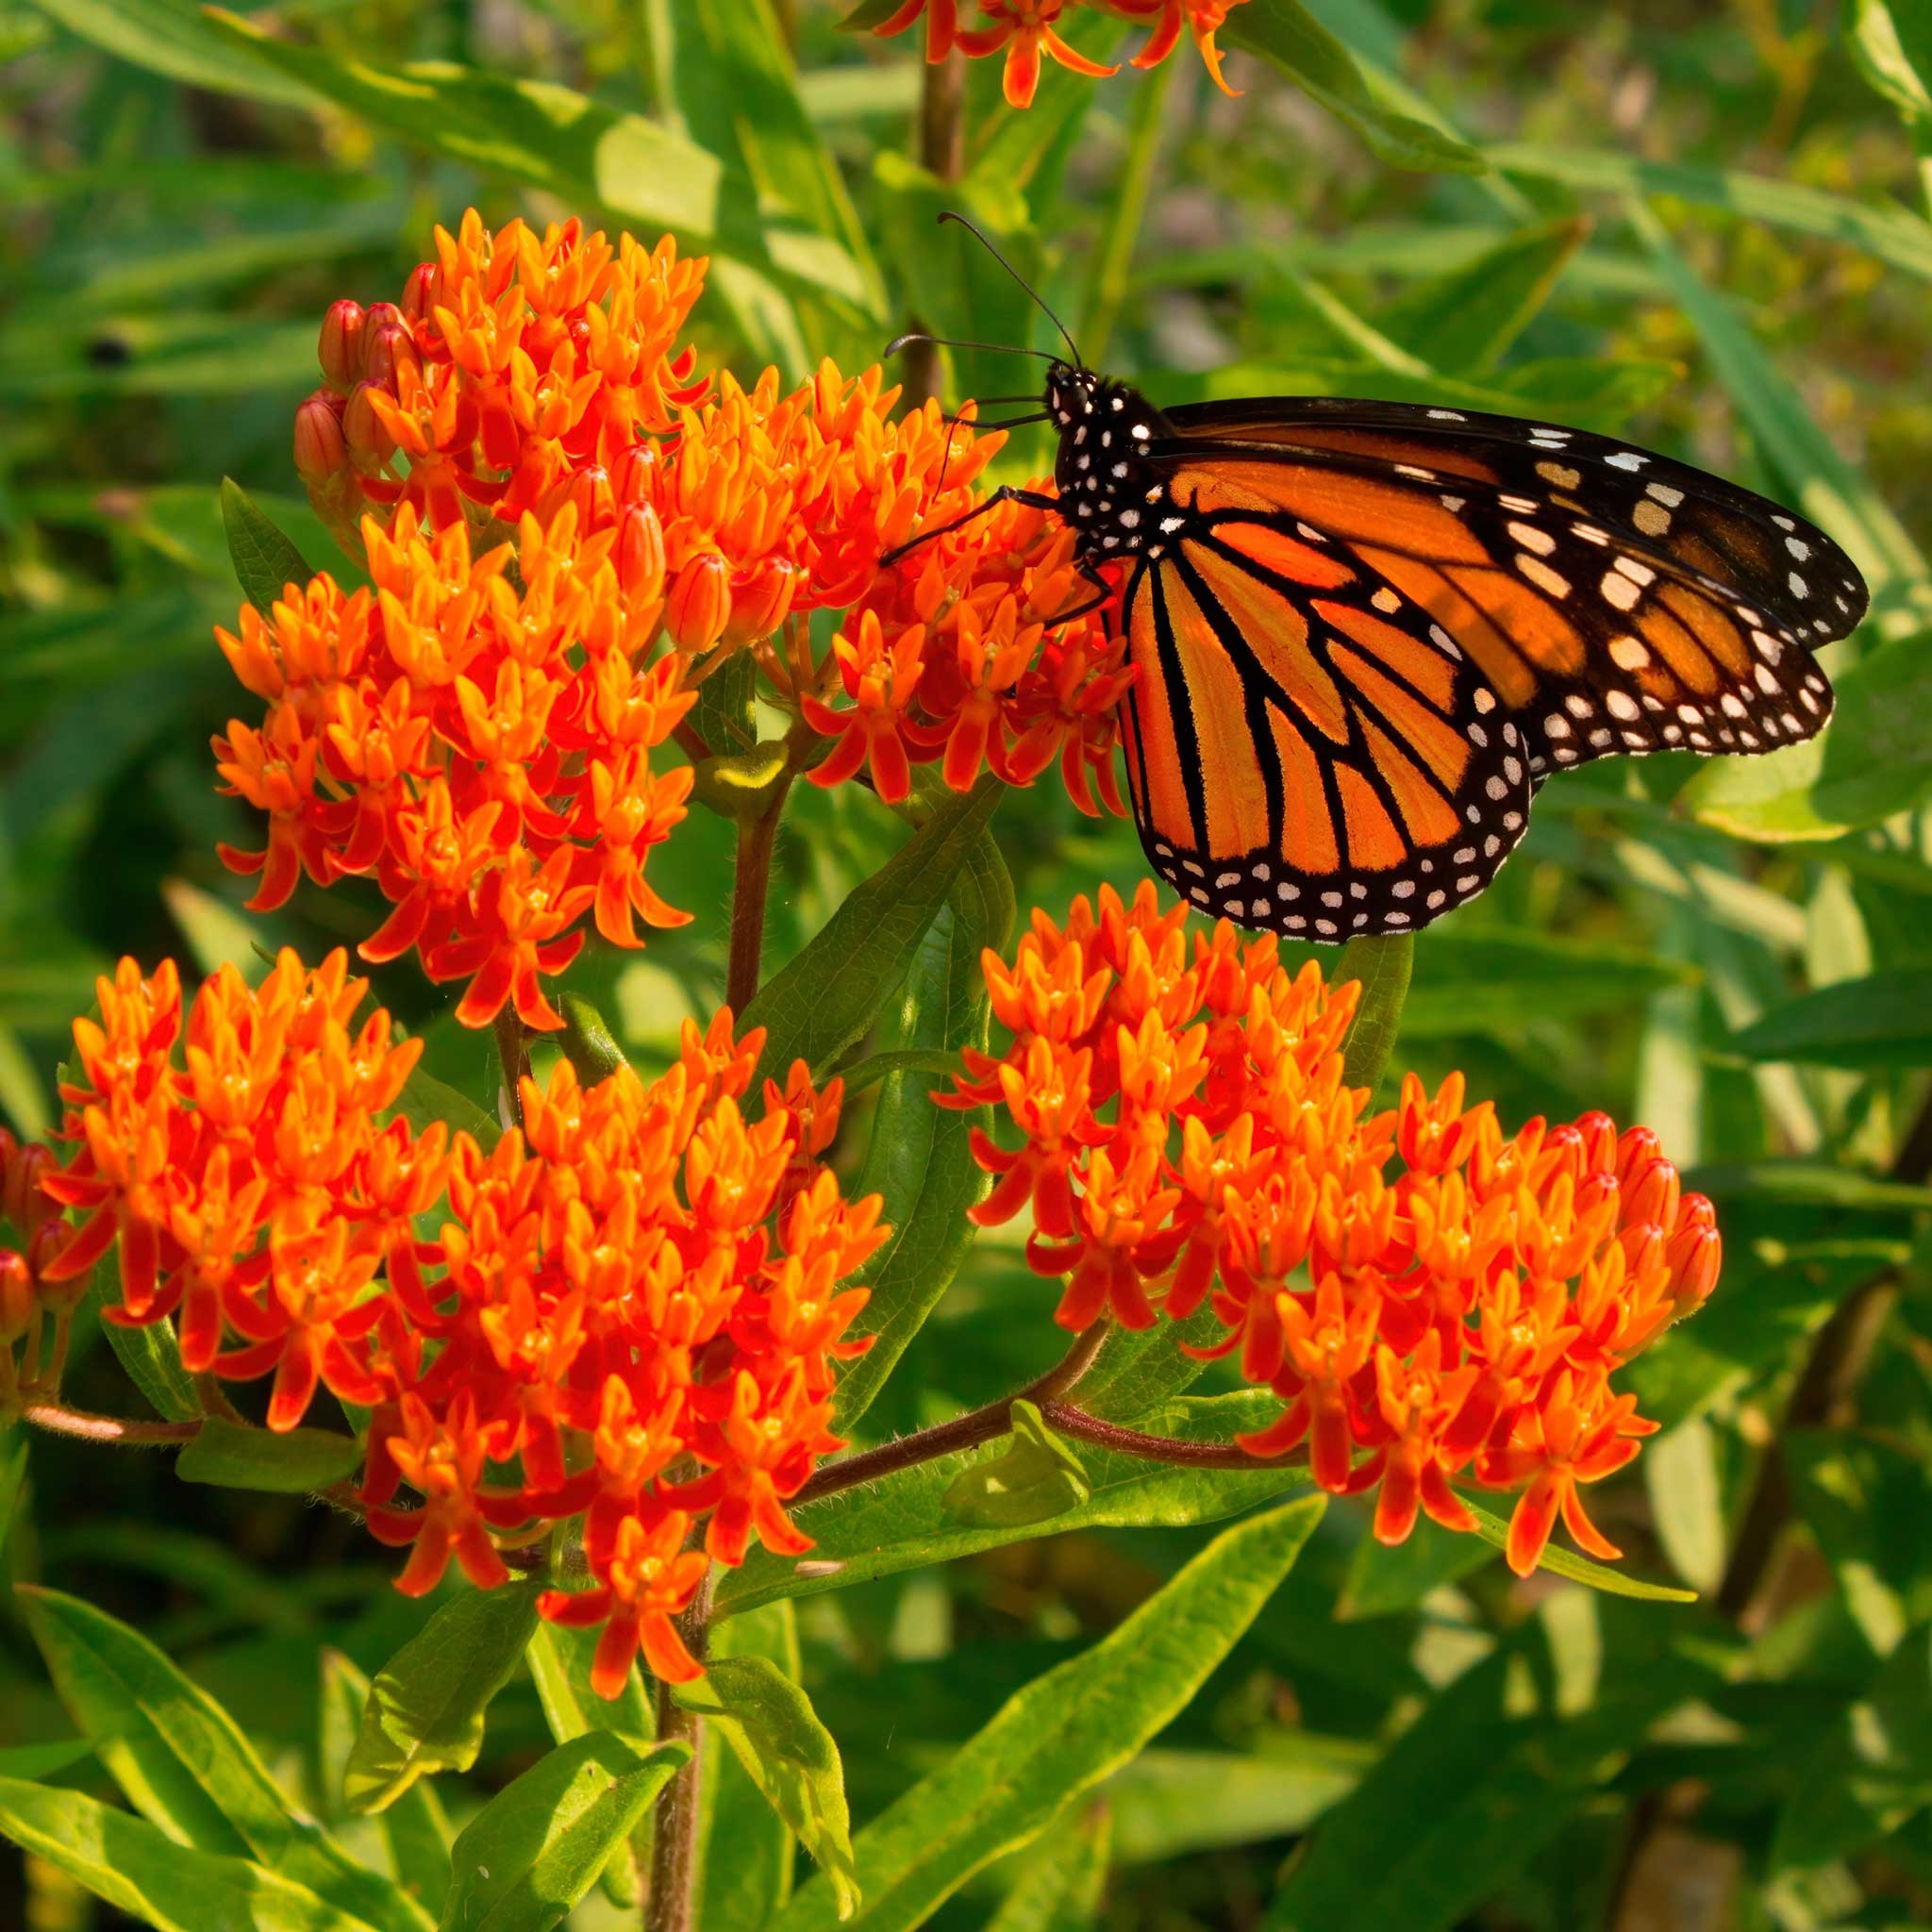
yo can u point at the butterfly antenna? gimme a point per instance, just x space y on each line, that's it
899 342
1038 299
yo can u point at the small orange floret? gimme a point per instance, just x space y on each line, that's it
1186 1137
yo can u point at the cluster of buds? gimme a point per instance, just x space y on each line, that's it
33 1293
629 1315
1186 1136
1024 31
477 743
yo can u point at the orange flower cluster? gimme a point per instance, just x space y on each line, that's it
1025 31
476 732
1186 1136
477 741
631 1314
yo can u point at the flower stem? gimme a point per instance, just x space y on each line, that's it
751 888
513 1051
58 1420
670 1906
963 1432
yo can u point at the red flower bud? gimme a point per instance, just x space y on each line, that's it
384 347
339 350
16 1296
48 1241
23 1203
321 452
640 553
636 470
1639 1147
1695 1254
1599 1133
1650 1195
370 446
422 292
700 602
761 600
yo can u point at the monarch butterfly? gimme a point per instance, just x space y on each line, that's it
1365 633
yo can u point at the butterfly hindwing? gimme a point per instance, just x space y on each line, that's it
1305 750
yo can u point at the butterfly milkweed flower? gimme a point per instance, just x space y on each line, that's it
1430 1298
1026 31
568 528
629 1311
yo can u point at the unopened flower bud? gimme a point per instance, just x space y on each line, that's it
1650 1195
321 452
640 553
47 1242
1695 1254
339 350
760 601
1599 1133
1639 1147
636 471
369 445
596 503
386 346
16 1296
420 293
24 1205
700 602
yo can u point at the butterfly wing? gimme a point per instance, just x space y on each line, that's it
1620 601
1368 630
1305 750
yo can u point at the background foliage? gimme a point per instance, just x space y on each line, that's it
1696 225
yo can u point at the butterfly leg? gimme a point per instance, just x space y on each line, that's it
1005 493
1091 572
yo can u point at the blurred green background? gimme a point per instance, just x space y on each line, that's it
1698 224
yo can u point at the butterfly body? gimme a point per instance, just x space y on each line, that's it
1364 633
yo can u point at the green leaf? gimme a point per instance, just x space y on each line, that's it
1464 321
899 1522
171 37
1891 233
776 1734
1485 1779
265 562
1171 1802
1063 1733
748 1852
1384 967
183 1760
1865 1502
727 712
1808 1184
425 1100
1038 1477
1289 38
415 1833
918 1158
1884 1020
1562 1562
1485 981
295 1462
427 1706
589 155
1680 1476
144 1872
1061 1889
837 987
559 1661
526 1858
868 15
37 1761
1892 47
151 1355
1870 761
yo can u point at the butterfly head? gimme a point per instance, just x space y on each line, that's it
1106 482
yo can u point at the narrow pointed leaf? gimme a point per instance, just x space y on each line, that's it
1384 967
140 1871
427 1705
184 1760
294 1461
748 1854
774 1733
1562 1562
1063 1733
526 1858
265 562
